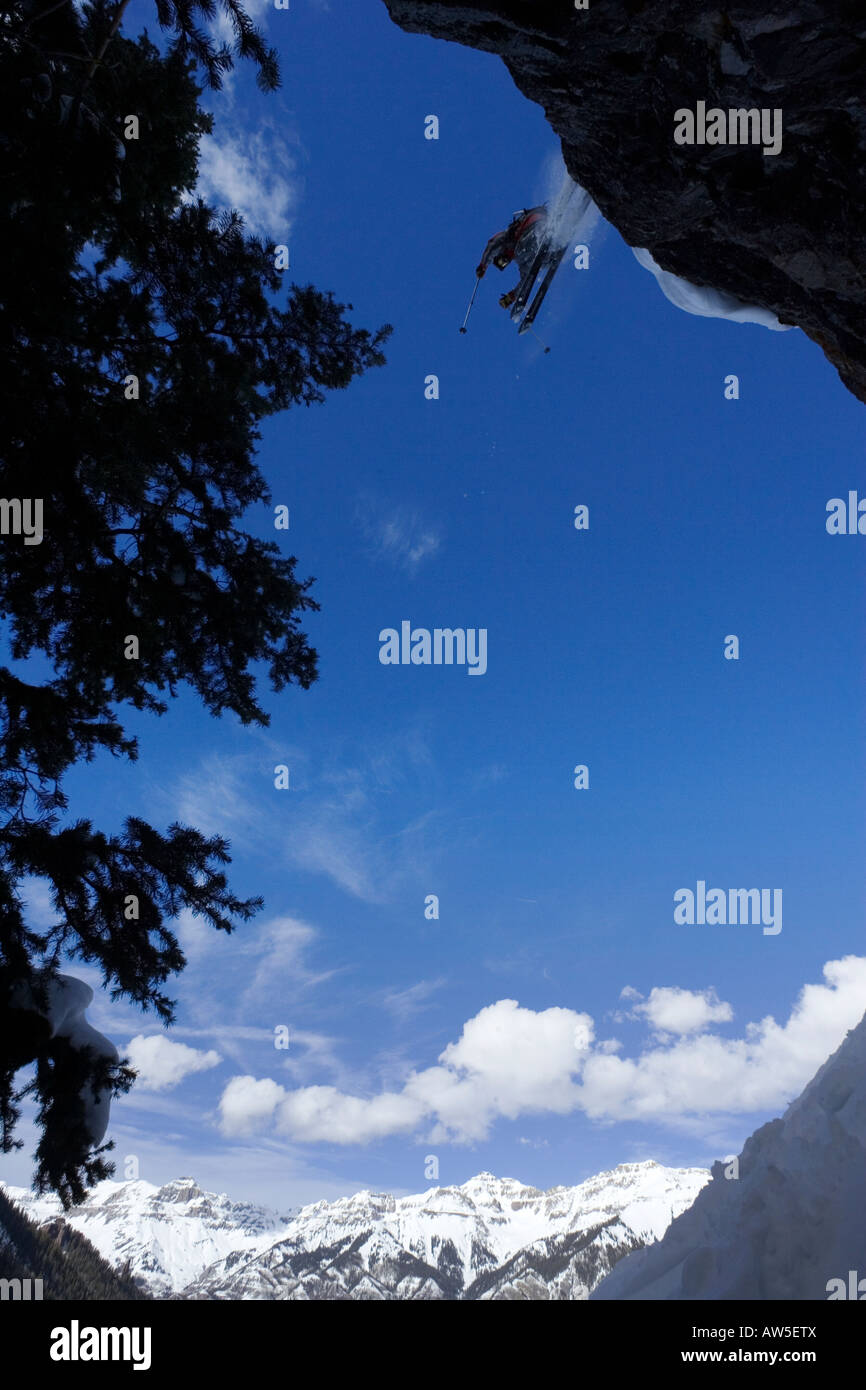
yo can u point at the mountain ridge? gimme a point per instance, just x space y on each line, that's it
483 1239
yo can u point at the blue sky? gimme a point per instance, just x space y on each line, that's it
605 648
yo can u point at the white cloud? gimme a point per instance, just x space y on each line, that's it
328 844
511 1061
705 1074
317 1054
279 945
246 1103
162 1064
252 172
672 1010
346 830
404 540
224 1030
257 976
508 1061
332 828
314 1112
317 1112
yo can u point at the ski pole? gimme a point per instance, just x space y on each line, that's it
535 335
471 302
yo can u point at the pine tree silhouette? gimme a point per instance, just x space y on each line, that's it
115 277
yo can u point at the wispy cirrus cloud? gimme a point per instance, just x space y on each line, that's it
404 1004
397 535
271 957
279 950
336 822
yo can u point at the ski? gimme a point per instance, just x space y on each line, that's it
527 283
547 256
553 267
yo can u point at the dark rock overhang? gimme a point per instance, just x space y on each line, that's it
785 231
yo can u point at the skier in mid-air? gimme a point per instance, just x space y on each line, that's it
537 240
521 241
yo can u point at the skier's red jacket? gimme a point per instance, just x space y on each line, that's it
502 247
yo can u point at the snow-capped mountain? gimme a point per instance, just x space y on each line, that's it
792 1224
167 1234
787 1222
490 1238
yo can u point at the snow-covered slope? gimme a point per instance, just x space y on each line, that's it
490 1238
168 1234
793 1220
53 1261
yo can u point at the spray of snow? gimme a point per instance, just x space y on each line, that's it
572 220
571 211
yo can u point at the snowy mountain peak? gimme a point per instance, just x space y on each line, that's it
486 1238
180 1190
789 1220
